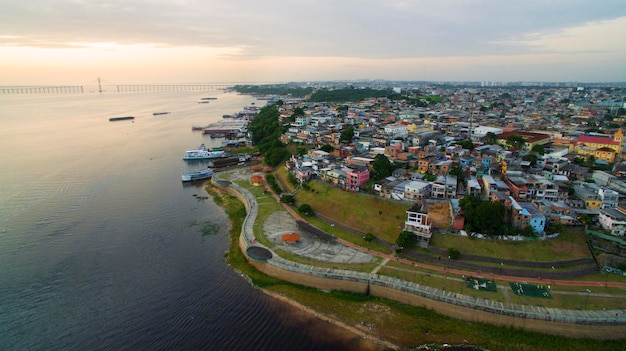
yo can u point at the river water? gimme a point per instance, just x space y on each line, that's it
103 248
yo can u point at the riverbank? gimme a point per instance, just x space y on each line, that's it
373 343
404 324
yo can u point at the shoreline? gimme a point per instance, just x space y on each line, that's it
369 337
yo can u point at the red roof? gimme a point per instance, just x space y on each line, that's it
596 140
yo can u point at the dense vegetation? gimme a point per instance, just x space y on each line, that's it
348 94
266 131
274 89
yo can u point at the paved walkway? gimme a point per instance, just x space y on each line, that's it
604 317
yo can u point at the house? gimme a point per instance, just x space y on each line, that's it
417 190
419 223
356 177
525 214
614 220
519 188
444 187
590 199
473 187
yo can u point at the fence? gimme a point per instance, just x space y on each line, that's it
595 317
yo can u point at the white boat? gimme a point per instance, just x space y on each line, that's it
201 153
199 174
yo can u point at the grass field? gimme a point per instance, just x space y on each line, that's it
569 245
383 218
400 323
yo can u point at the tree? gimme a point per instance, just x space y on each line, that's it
292 179
466 144
490 138
453 253
540 149
305 209
515 141
368 237
532 158
328 148
301 150
382 167
456 171
288 199
483 216
586 220
347 134
298 111
406 240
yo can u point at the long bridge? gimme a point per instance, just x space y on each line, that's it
115 88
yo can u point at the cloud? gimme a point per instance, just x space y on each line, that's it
392 39
341 28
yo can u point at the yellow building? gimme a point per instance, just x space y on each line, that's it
602 148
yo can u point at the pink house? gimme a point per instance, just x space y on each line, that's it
356 176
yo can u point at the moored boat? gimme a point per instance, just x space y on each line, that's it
113 119
201 153
199 174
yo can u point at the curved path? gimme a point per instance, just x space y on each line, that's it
596 317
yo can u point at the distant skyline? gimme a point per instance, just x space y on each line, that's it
169 41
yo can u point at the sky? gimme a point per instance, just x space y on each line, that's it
67 42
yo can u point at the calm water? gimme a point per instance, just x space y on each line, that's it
101 246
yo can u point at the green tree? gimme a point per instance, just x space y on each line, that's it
453 253
305 209
301 150
456 171
490 138
532 158
515 141
297 112
483 216
406 240
288 199
292 179
466 144
327 148
382 167
585 220
540 149
347 134
368 237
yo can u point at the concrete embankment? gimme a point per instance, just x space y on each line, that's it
580 324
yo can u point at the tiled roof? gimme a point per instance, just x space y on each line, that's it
596 140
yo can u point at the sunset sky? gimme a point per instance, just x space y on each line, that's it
202 41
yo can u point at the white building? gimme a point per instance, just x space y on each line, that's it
397 130
614 220
420 224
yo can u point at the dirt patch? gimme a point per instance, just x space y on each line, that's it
440 214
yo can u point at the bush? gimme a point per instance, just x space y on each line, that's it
305 209
453 253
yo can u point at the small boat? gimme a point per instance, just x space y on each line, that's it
113 119
208 98
203 102
196 128
199 174
160 113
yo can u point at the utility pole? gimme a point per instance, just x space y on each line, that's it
99 85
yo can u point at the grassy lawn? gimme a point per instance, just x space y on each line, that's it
281 173
567 246
368 214
406 325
